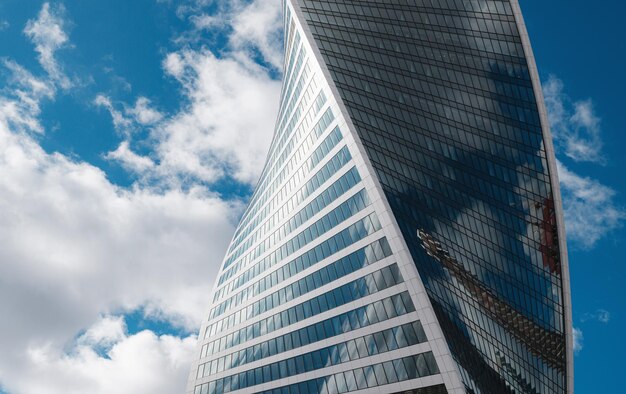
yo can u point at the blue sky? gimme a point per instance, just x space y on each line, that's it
131 136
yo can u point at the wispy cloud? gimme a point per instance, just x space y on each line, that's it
590 208
48 34
591 211
20 105
121 123
600 315
575 125
128 119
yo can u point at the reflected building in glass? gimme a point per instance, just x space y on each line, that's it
406 234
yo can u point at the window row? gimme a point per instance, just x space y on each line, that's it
254 214
331 220
285 131
475 130
357 289
470 88
476 43
302 80
508 71
292 46
459 184
395 10
380 374
366 346
289 82
382 310
325 275
274 162
259 231
342 185
497 346
326 172
337 242
291 35
460 89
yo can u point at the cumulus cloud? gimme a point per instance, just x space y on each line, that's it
225 125
75 246
578 339
78 252
127 119
130 160
48 34
575 125
138 363
590 208
105 333
256 26
224 129
591 211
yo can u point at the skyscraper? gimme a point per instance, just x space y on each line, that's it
406 234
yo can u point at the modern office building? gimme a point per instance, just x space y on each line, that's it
406 234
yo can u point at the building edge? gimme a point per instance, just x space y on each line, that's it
448 367
556 192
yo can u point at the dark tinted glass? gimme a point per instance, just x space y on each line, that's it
442 99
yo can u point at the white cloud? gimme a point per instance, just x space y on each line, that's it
224 129
20 107
122 124
106 332
257 26
77 250
129 159
600 315
127 119
74 246
590 209
578 339
4 25
575 125
227 125
47 33
207 22
143 113
139 363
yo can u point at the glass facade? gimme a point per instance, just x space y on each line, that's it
441 96
403 236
